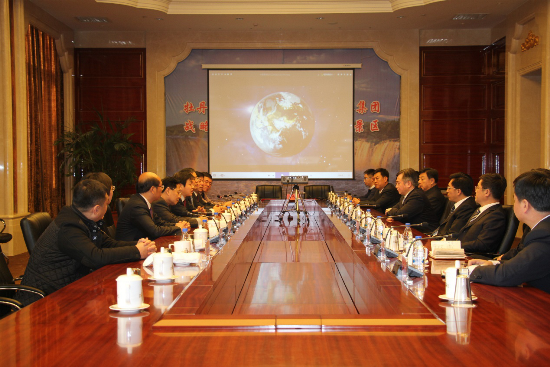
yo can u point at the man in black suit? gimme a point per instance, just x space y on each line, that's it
386 195
427 181
186 184
170 196
368 180
528 263
484 231
414 206
461 205
138 219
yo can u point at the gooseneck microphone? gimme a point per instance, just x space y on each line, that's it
423 224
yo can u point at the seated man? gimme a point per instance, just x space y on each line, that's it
461 204
138 219
170 196
386 195
484 231
368 180
528 263
414 206
107 220
73 245
427 181
186 184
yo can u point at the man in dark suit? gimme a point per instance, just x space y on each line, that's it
138 219
414 206
386 195
186 185
427 181
484 231
461 205
170 196
368 180
528 263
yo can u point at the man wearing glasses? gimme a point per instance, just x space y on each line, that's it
138 219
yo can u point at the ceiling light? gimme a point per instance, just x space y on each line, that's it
239 18
401 17
320 18
93 19
473 16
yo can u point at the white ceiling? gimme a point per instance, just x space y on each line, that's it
264 15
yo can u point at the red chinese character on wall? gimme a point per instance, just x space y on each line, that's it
374 126
202 108
204 126
375 107
359 124
189 126
188 107
361 107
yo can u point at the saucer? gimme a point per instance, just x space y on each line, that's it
129 310
445 298
162 280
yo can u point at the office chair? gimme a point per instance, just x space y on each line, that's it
4 237
317 191
269 192
33 226
512 224
120 203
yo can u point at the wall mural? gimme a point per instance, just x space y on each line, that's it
376 115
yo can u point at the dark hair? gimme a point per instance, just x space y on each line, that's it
534 186
89 193
370 172
199 174
410 175
495 183
169 182
206 174
183 176
101 177
431 173
463 182
188 169
384 172
145 184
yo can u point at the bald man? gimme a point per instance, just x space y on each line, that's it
138 219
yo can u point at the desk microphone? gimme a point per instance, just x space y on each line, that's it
423 224
450 236
393 216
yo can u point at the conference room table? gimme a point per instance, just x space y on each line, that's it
298 289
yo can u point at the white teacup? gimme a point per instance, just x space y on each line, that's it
163 265
181 246
199 243
129 290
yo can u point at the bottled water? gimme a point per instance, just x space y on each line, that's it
407 237
380 227
418 254
185 234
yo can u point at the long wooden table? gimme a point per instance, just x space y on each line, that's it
280 294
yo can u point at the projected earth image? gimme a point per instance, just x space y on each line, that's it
282 124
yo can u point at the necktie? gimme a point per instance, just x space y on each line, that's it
151 212
476 214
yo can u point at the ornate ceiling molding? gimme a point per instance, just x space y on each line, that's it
271 6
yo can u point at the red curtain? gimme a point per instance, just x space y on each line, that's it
45 123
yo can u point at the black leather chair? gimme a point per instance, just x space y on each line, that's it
8 288
33 226
4 238
120 203
317 191
269 192
512 224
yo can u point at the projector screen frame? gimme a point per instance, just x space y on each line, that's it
276 67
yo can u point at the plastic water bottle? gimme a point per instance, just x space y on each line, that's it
380 227
407 237
185 235
418 254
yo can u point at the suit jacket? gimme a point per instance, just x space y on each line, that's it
528 263
368 197
485 233
192 202
162 211
453 223
135 222
180 210
437 201
416 208
386 199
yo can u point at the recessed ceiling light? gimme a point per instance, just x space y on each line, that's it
320 18
474 16
160 18
401 17
239 18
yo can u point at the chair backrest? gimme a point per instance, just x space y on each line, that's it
512 224
120 203
33 226
317 191
269 192
5 276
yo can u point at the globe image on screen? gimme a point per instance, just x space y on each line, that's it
282 124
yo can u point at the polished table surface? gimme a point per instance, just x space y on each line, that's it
281 294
